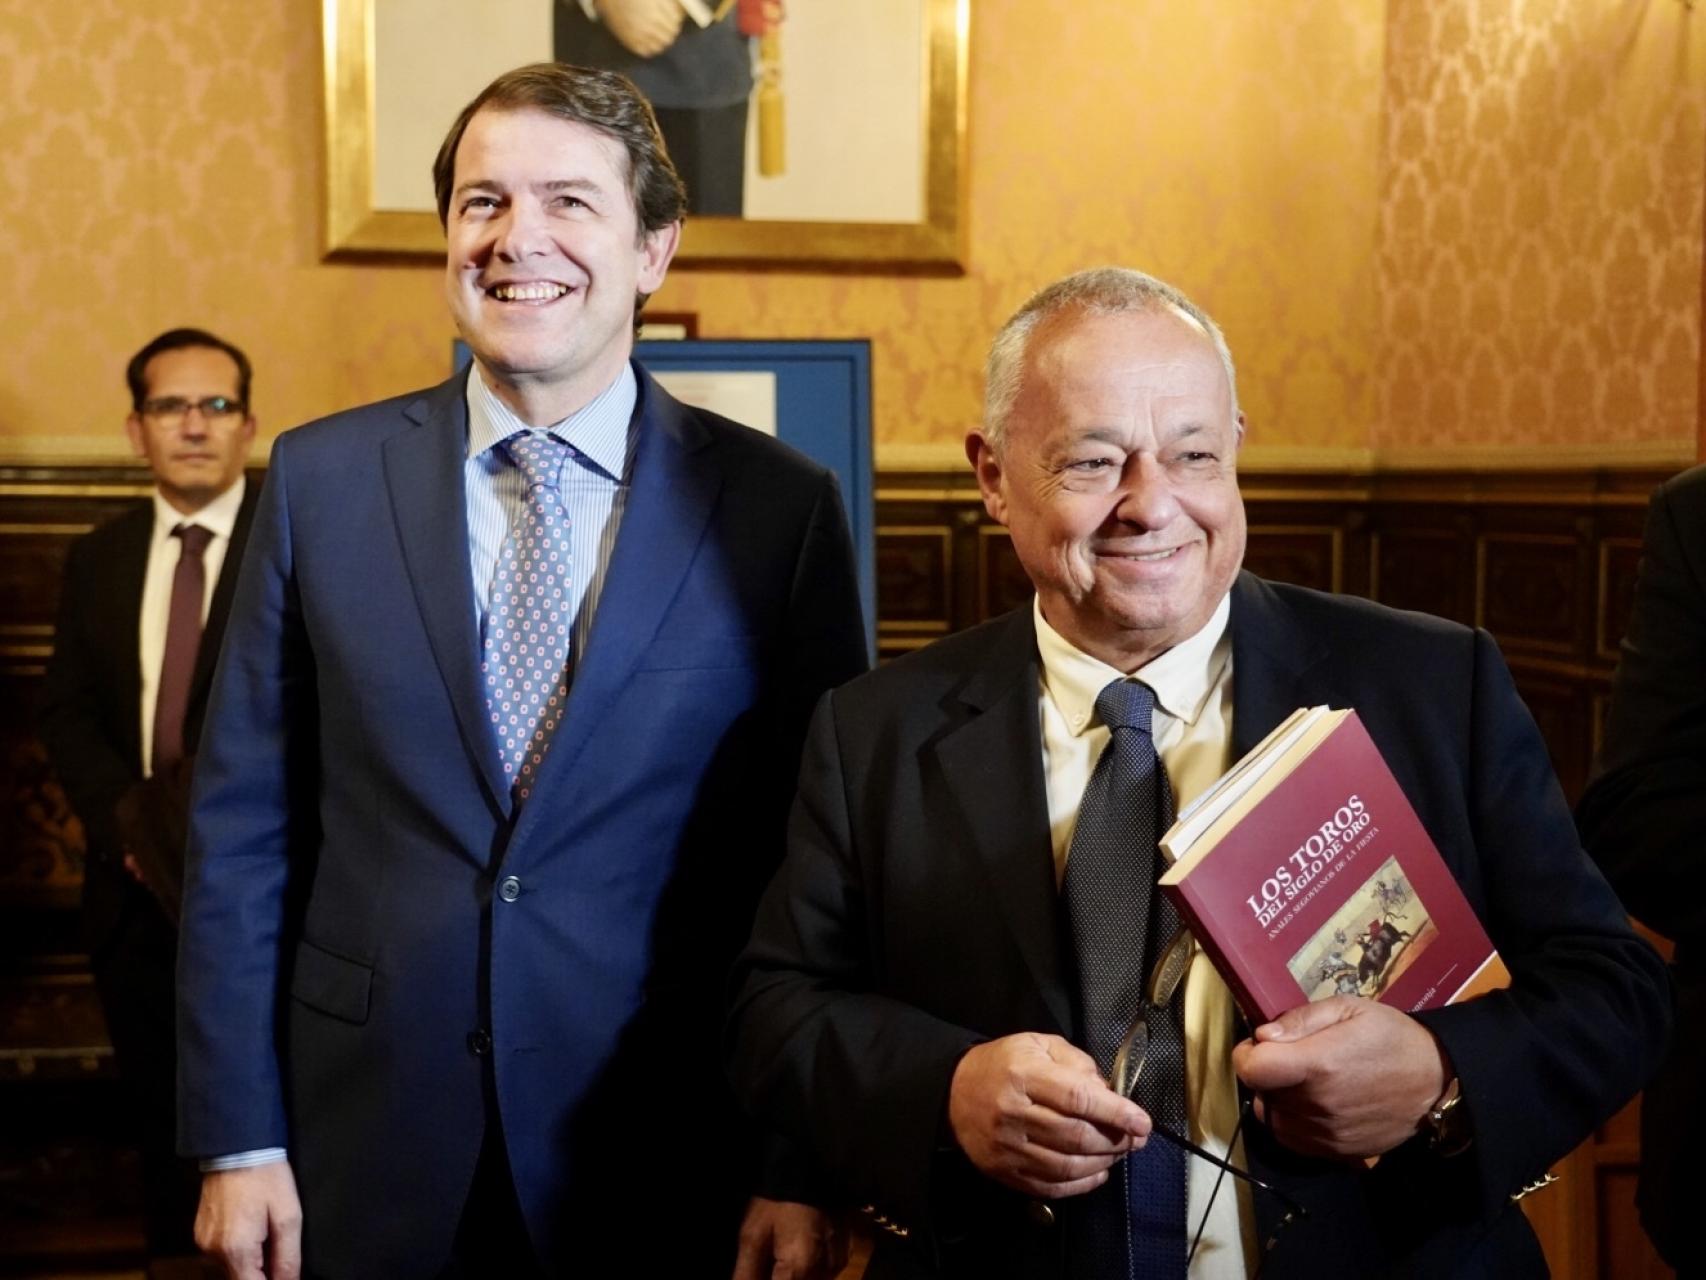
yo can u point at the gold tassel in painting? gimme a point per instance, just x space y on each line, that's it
763 19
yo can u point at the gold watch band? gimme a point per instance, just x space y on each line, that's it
1447 1123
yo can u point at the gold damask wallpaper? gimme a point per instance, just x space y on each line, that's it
1236 157
1423 223
167 160
1539 263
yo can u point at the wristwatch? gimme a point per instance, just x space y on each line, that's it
1447 1123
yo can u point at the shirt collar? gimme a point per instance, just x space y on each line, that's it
1182 678
218 517
597 432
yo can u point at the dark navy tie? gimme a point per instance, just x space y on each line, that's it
1133 1226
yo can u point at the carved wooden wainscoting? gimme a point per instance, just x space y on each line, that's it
1546 561
69 1188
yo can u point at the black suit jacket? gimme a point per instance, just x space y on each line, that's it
916 914
91 698
1643 818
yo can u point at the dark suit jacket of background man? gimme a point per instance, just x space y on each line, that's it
91 721
702 67
916 914
1644 818
350 784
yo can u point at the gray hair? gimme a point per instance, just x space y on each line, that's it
1099 291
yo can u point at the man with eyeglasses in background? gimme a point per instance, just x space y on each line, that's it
141 612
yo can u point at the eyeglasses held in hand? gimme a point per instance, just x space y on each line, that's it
1129 1058
171 411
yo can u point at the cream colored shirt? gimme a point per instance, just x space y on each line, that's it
1192 683
218 517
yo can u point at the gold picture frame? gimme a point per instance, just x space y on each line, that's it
355 228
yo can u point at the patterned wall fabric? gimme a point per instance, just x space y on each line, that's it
1540 222
1234 155
1343 196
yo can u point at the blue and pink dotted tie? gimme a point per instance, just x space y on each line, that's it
528 627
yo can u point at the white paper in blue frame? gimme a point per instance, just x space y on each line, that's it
823 409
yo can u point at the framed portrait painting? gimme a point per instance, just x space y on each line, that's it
808 131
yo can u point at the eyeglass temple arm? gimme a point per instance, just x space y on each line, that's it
1201 1153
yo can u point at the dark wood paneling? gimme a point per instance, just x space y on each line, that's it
1619 566
915 576
1624 1127
1309 555
1430 570
1623 1248
1527 590
1002 584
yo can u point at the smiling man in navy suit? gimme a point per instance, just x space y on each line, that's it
497 761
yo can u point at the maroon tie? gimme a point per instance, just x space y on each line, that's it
183 639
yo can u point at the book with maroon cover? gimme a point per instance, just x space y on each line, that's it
1311 876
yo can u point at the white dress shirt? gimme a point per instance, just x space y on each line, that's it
218 517
1192 683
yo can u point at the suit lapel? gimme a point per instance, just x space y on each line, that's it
120 603
1271 653
424 475
670 497
992 764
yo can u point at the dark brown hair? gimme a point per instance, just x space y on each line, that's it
136 372
602 100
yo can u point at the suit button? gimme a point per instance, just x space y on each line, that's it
509 889
479 1042
1040 1214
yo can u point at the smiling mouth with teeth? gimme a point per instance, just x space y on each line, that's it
527 292
1141 555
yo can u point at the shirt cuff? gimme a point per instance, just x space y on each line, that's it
243 1159
590 9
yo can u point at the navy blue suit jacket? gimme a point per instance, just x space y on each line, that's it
916 914
351 825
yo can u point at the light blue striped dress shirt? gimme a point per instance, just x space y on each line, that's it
601 439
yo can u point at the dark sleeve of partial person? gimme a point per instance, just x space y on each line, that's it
1586 1019
73 721
1644 812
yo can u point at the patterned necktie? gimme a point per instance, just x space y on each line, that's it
183 641
528 627
1134 1224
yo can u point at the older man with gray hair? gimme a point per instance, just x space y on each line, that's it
966 923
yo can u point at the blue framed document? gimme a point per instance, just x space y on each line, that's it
813 395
